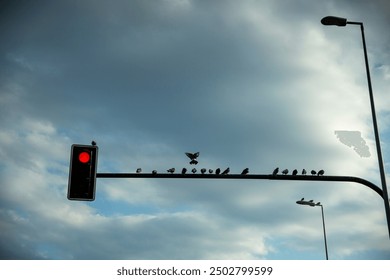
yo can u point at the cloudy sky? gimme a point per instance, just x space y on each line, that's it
254 83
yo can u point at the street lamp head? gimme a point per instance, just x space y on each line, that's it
330 20
303 202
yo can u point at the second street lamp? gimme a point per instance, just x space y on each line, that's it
338 21
312 204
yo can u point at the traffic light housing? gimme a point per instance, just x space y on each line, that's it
82 172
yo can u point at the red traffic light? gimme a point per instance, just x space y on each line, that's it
82 172
84 157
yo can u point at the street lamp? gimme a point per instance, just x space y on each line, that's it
312 204
331 20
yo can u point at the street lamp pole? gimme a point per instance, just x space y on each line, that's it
330 20
323 226
312 204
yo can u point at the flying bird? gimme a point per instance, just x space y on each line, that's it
193 170
171 170
295 172
285 172
321 172
275 171
139 170
203 170
217 171
226 171
304 171
193 157
245 171
313 172
184 170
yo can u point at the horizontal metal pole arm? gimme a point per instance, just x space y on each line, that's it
247 176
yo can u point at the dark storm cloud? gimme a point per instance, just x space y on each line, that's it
158 58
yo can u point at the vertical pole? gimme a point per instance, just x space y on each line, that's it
376 133
323 226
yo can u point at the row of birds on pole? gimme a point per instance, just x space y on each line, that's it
295 172
184 170
194 161
245 171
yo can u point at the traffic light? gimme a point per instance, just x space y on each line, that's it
82 172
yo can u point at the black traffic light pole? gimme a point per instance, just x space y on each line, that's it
247 176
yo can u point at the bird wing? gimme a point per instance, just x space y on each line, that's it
191 156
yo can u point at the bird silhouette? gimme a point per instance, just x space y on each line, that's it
139 170
304 171
302 198
203 170
245 171
93 143
295 172
171 170
321 172
311 201
226 171
285 172
154 172
193 170
313 172
275 171
210 171
193 157
217 171
184 170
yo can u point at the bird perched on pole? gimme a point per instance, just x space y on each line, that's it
139 170
321 172
184 170
245 171
93 143
171 170
275 172
193 157
194 170
285 172
295 172
203 170
304 171
313 172
226 171
218 171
